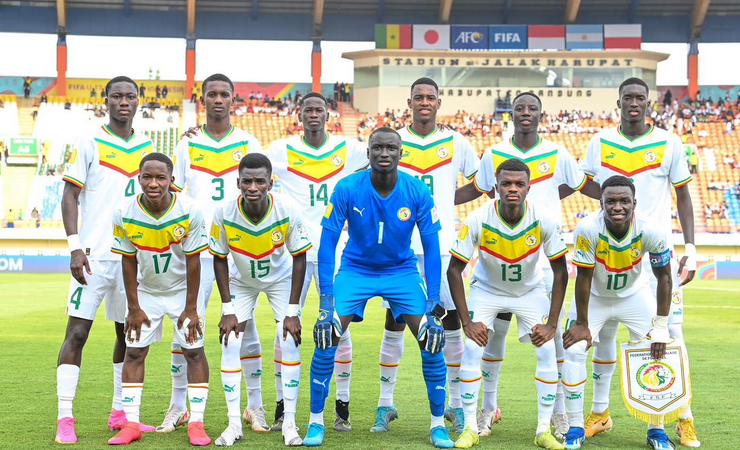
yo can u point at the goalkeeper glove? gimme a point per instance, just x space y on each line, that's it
327 322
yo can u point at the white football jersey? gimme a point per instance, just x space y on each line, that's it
105 166
652 161
550 165
508 257
207 169
160 244
617 263
308 175
436 159
262 251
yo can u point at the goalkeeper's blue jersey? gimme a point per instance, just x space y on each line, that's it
380 228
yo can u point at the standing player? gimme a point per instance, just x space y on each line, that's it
205 165
653 159
161 236
435 157
100 175
612 285
510 232
381 207
552 167
268 241
309 166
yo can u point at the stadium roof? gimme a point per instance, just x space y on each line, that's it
354 20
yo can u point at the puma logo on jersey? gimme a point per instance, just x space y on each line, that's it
360 211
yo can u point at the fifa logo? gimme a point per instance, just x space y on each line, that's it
469 37
506 37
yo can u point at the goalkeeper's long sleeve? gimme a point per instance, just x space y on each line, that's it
327 250
432 267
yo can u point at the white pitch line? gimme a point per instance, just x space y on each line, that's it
710 289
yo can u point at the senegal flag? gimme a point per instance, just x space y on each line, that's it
392 36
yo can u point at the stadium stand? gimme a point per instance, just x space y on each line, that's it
715 189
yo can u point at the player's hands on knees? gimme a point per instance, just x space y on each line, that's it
134 321
190 132
228 323
292 325
431 329
542 333
657 350
78 265
191 322
477 331
577 332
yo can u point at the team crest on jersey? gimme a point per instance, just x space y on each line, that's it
276 236
543 167
336 160
530 240
237 155
650 157
635 252
442 152
178 231
404 214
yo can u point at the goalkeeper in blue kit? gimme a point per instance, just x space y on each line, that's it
381 207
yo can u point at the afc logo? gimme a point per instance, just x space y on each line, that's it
469 37
506 37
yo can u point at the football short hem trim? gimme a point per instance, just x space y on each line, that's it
196 251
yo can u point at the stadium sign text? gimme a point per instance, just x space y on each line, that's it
509 62
478 92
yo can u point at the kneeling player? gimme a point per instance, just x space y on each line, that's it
160 235
507 278
381 207
612 286
262 232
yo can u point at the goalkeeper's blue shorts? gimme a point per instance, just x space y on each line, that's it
404 291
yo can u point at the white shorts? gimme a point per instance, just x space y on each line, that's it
169 304
444 285
106 282
312 272
676 314
530 309
244 299
635 312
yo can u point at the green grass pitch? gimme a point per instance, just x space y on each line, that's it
33 324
